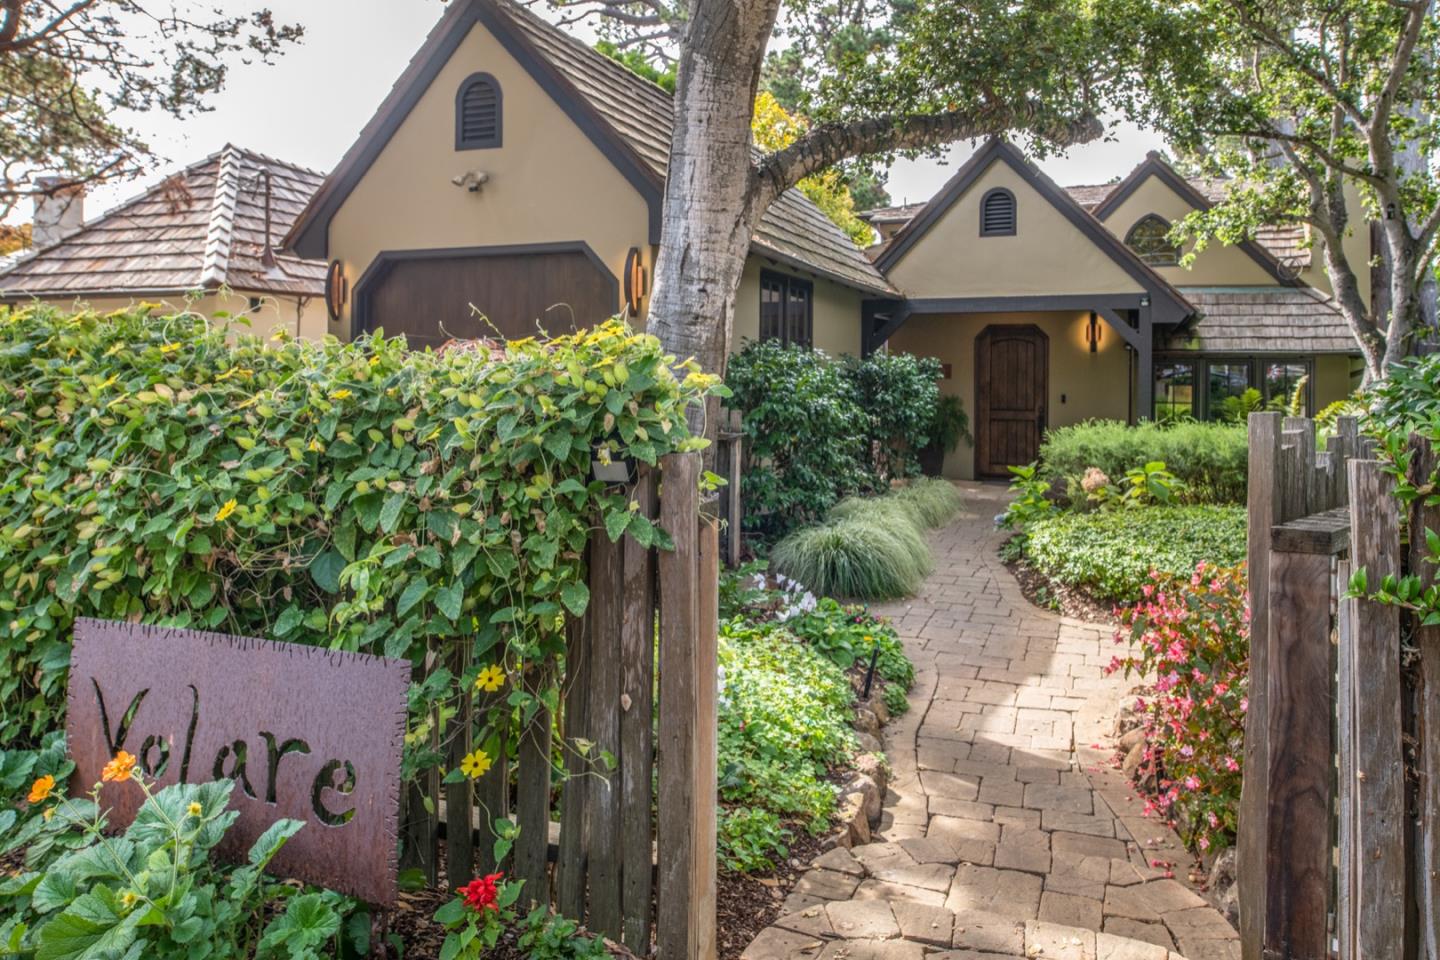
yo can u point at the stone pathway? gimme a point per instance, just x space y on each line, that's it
1006 833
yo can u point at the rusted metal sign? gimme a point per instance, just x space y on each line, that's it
305 733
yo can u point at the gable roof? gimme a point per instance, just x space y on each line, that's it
1169 305
1201 199
199 229
626 116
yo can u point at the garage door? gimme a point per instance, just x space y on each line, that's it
432 299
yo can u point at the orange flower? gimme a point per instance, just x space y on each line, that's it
40 789
119 769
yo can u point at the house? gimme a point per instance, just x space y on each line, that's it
511 182
207 236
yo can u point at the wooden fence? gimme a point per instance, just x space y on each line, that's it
657 805
1337 850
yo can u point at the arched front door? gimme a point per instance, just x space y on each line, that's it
1012 373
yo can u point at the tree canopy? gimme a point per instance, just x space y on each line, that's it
69 71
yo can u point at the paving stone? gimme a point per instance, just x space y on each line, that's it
862 920
1153 933
1018 816
839 860
1087 846
1047 797
972 955
1011 794
1210 949
1047 775
1111 947
948 807
949 785
1077 823
814 921
989 933
931 925
1009 893
774 943
932 849
826 885
872 950
1058 942
1069 910
893 893
799 902
1196 923
1019 856
959 828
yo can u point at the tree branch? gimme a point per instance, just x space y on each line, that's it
10 41
830 143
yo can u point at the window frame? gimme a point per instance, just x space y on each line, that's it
786 285
1173 261
1200 395
1014 212
483 143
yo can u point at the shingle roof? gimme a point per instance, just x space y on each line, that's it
201 228
1263 320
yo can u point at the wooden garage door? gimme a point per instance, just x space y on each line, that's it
432 299
1011 383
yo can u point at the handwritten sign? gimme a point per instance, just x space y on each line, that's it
305 733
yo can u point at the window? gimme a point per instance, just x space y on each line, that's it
1150 239
1174 390
1228 391
786 309
1283 378
997 213
478 113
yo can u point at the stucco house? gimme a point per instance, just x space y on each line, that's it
207 236
512 181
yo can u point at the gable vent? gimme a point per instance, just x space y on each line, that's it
997 213
478 113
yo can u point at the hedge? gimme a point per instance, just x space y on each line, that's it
1209 458
356 496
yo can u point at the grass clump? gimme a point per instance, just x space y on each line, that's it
1209 459
876 557
935 501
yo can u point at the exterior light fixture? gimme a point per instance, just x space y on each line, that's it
1092 332
634 281
337 290
610 470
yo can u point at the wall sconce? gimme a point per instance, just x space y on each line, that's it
337 290
634 281
1092 332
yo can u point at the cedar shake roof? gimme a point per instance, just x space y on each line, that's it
199 229
1263 320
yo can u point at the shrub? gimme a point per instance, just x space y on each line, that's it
1209 459
751 839
1190 637
878 557
357 496
1111 554
900 395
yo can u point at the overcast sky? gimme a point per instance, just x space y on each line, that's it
309 106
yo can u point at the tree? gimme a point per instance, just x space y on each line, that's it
1297 103
925 74
67 68
775 129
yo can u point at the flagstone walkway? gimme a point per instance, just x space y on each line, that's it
1006 832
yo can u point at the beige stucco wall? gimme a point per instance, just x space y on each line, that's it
302 316
1333 380
1357 250
1047 255
1217 265
1082 385
548 182
836 309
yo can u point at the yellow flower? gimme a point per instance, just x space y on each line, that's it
869 639
128 898
224 512
49 812
40 790
119 769
194 810
170 348
340 395
475 765
492 678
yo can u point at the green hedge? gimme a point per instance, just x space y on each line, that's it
357 496
1209 458
1110 554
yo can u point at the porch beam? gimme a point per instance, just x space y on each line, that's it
1127 333
1145 376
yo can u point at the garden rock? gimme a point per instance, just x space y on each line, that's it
861 785
869 743
873 765
877 706
1131 738
867 722
1222 888
854 822
1133 758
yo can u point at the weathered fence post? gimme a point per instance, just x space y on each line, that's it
1378 770
460 796
1263 497
637 730
1425 516
570 871
602 806
532 791
688 676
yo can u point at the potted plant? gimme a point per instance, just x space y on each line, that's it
949 426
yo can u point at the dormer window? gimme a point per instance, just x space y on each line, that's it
1150 239
478 113
997 213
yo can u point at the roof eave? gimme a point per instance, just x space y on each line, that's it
761 248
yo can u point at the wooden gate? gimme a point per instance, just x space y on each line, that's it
1335 847
631 863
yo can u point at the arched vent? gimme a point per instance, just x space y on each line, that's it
997 213
478 113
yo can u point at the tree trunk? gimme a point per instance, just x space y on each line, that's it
710 195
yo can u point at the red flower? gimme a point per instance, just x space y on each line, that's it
479 895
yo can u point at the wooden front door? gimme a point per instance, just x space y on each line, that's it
1012 372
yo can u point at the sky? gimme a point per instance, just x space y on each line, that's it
309 105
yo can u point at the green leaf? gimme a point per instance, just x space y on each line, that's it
325 570
576 597
92 928
390 513
414 592
615 523
269 843
448 600
288 620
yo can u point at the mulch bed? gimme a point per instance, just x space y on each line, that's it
748 903
1067 601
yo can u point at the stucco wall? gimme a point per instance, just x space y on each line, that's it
548 182
1216 266
836 310
1332 380
1047 255
1082 385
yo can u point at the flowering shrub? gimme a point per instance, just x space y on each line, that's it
1190 637
478 915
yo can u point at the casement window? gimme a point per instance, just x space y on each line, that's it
997 213
479 113
787 309
1214 388
1150 239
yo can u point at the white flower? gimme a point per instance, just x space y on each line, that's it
759 581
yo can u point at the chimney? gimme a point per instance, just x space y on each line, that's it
59 210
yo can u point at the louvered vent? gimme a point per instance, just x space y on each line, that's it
997 213
477 114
